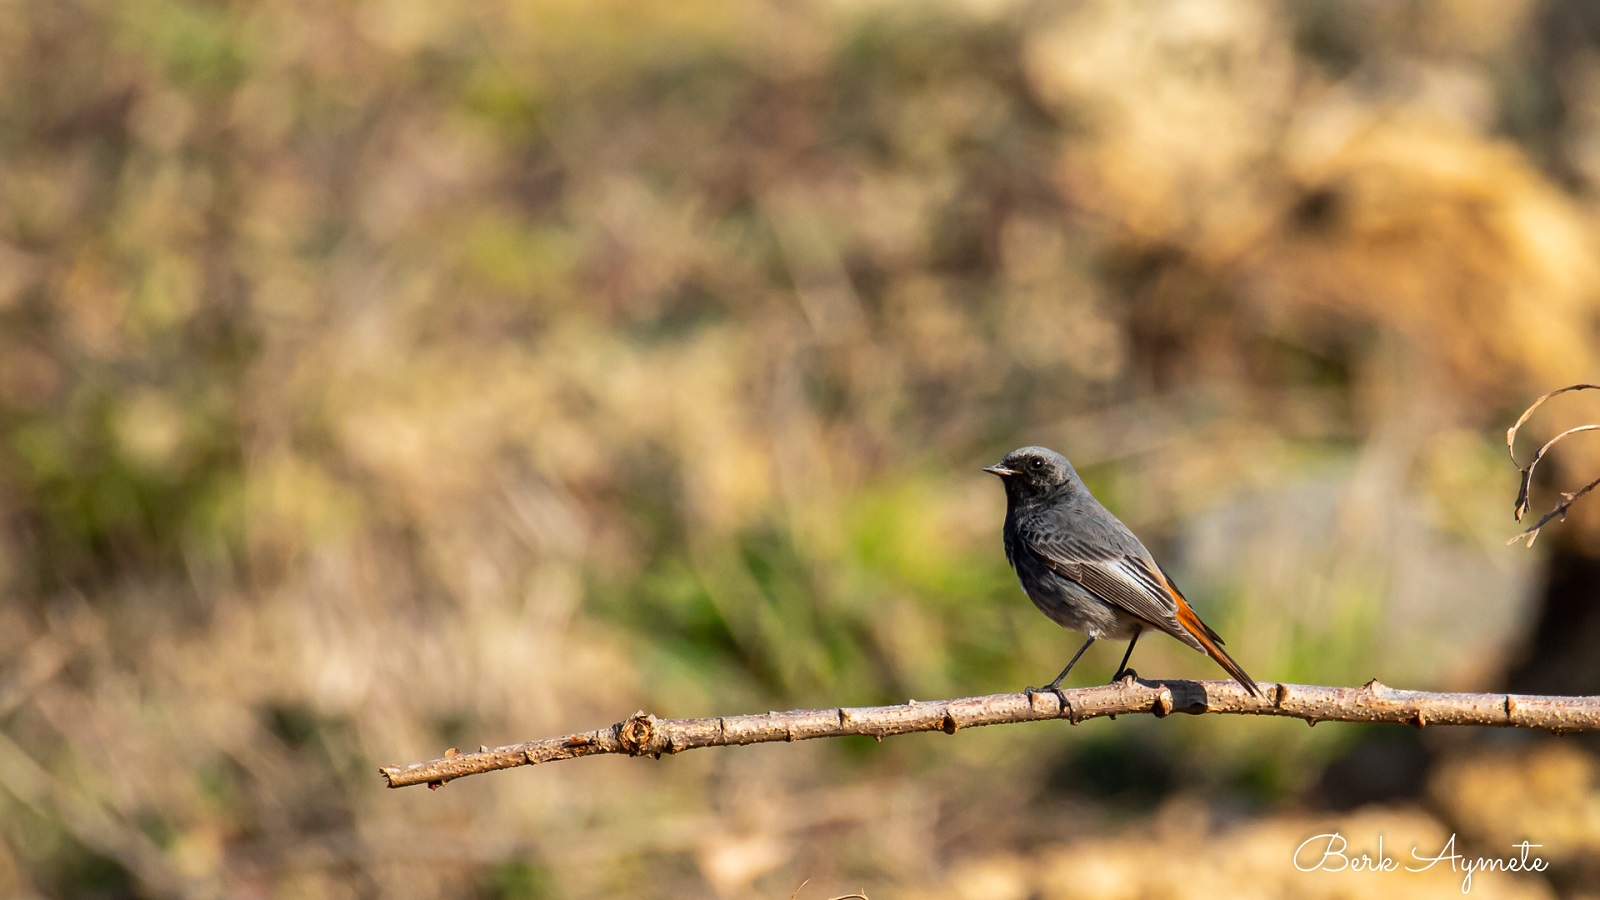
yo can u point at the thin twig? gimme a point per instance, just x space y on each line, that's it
1567 498
1559 512
643 734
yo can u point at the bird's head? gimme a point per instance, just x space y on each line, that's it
1034 472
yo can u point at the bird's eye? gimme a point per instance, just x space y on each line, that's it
1036 464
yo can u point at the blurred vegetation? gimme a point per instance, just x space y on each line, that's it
377 377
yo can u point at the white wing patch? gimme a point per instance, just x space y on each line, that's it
1125 583
1135 575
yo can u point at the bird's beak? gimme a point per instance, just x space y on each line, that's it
1002 471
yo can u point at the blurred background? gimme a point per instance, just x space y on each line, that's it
379 376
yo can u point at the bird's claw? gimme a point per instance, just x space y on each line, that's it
1128 675
1030 690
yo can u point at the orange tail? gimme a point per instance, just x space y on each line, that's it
1212 642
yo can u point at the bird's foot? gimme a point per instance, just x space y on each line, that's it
1054 688
1128 675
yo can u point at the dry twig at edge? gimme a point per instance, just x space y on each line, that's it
1567 497
645 735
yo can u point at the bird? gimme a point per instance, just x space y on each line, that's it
1086 570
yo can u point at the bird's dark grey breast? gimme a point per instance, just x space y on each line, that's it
1067 602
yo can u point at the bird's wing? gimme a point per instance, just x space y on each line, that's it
1122 574
1127 581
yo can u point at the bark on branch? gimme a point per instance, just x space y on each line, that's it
645 735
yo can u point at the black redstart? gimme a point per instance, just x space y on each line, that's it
1085 570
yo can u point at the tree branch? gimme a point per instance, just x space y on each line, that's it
645 735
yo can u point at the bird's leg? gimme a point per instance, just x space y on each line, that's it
1054 687
1122 669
